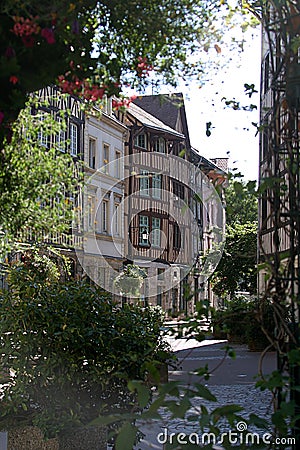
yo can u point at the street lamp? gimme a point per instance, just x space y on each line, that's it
144 234
196 275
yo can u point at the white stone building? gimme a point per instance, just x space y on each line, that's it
103 214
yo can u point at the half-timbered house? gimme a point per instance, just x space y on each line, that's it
94 243
164 218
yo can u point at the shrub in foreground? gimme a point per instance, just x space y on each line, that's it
68 351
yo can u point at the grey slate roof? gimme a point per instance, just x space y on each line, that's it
150 121
168 108
164 107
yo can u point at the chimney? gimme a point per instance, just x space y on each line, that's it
222 163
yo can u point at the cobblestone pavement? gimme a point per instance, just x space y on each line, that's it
232 383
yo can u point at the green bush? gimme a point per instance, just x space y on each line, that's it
130 281
70 351
261 318
242 321
231 320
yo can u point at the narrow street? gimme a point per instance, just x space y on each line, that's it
232 382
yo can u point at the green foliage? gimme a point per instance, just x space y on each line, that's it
35 181
130 280
104 43
68 350
237 268
241 201
34 267
243 321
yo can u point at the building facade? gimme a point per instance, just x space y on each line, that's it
103 248
168 225
144 200
279 222
279 179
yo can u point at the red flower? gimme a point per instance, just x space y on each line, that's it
48 34
143 67
13 79
25 27
124 103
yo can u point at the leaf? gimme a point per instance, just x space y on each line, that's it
107 420
259 421
170 388
204 392
227 410
126 437
180 408
218 48
143 392
294 356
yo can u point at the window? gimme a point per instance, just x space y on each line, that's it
117 215
117 164
159 299
144 182
60 136
156 186
144 230
141 140
178 189
91 212
105 157
155 234
148 181
105 212
159 145
42 135
161 274
176 236
73 139
264 210
104 216
92 153
182 238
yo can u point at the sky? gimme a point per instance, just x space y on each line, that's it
232 134
232 130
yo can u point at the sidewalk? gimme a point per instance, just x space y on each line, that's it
232 382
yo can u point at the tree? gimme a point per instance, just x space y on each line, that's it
237 268
92 48
241 201
37 182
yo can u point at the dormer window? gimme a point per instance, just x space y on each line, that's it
159 145
141 140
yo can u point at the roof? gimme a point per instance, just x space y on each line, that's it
207 165
150 121
168 108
